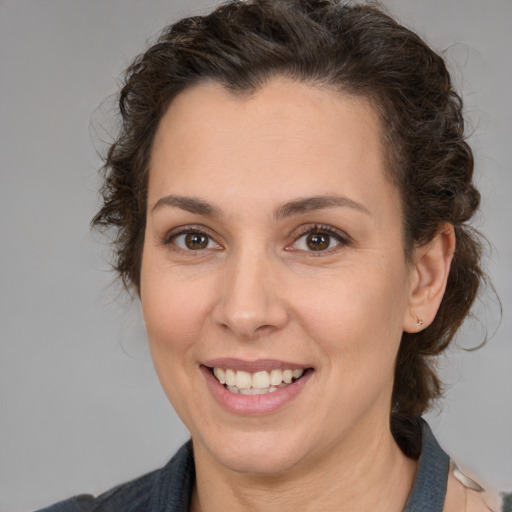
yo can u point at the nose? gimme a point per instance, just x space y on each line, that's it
251 303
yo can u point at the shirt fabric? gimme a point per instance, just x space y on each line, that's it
169 489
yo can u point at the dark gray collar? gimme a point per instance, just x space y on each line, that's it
429 488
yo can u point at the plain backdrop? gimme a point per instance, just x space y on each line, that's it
80 407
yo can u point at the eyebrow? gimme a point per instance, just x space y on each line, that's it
309 204
189 204
295 207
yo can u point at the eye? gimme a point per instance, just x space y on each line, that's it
316 242
193 241
319 239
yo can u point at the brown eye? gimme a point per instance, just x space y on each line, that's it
195 241
318 241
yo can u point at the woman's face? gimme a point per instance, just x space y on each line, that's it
274 250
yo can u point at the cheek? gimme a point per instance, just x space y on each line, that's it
171 317
355 317
351 304
172 314
355 327
173 309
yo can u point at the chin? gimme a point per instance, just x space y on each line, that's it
256 453
260 462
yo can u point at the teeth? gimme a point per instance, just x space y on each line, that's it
253 391
287 376
297 373
276 377
220 374
261 380
243 380
230 377
257 383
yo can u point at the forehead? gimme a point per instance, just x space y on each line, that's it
285 133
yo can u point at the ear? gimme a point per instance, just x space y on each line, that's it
428 279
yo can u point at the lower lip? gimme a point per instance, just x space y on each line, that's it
254 404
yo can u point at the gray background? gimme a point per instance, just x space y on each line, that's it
81 409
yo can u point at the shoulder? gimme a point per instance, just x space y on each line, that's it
439 485
465 495
130 496
80 503
172 484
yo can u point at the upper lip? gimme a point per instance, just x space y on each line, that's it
254 366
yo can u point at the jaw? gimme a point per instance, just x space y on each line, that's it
294 438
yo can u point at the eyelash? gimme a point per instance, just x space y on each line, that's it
170 239
341 238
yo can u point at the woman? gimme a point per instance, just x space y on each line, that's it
290 189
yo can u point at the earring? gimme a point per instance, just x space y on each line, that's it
419 321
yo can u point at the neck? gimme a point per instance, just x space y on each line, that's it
358 476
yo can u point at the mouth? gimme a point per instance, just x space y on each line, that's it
253 388
257 383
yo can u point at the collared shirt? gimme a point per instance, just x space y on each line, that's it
169 489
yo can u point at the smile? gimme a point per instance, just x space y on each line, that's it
257 383
255 387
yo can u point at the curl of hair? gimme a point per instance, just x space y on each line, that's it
356 49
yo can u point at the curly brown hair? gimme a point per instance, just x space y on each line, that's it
354 48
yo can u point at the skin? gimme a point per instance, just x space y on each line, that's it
258 291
